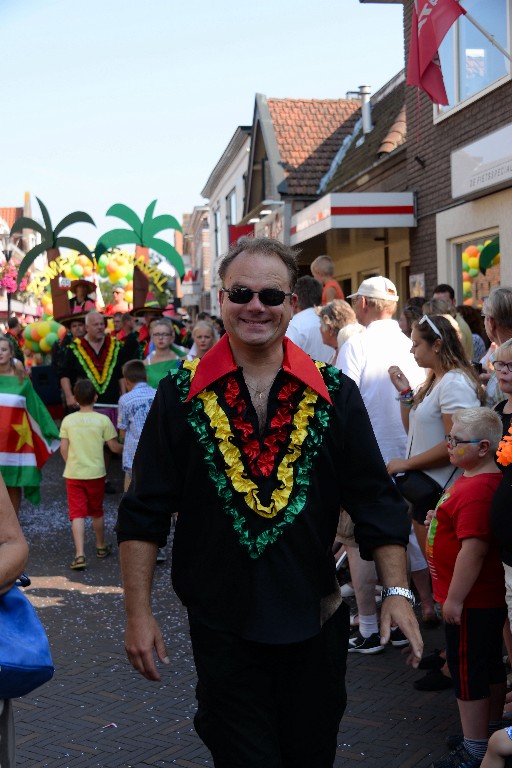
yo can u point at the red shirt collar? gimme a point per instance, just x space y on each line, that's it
219 361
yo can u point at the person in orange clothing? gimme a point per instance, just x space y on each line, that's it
118 302
322 268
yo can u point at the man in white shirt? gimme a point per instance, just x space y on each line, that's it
304 327
366 358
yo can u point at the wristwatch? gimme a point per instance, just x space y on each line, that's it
402 591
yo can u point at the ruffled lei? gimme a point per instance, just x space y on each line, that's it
240 466
98 368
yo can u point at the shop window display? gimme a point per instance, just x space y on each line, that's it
479 263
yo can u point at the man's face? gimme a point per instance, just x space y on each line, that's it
95 327
128 323
77 328
117 323
255 324
445 296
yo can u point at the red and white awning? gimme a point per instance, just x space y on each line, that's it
353 210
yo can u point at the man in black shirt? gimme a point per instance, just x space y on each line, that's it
257 447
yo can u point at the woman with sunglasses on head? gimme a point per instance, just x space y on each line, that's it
166 355
451 384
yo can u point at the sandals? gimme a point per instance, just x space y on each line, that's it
104 551
78 563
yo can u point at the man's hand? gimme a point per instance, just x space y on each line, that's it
397 611
142 638
397 466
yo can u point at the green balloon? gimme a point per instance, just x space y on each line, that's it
51 338
77 270
103 260
473 272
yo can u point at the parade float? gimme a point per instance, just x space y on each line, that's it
105 266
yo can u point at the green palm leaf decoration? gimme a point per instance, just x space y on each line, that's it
50 237
143 233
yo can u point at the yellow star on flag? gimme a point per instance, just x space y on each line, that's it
24 432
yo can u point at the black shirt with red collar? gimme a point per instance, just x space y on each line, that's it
258 512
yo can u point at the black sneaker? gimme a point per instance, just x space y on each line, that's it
458 758
360 644
397 637
454 741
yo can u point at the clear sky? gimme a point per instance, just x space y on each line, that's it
107 101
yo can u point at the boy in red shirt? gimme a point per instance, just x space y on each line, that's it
467 578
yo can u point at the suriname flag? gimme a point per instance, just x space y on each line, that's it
28 436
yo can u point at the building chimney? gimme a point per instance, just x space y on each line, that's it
366 110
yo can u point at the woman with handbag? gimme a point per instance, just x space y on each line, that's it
427 414
13 559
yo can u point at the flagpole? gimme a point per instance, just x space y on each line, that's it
488 35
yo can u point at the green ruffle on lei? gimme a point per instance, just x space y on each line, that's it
256 545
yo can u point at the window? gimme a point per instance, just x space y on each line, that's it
470 63
231 217
218 245
474 284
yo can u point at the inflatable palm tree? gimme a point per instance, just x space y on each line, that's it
51 239
143 233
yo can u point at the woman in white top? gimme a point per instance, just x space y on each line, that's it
427 415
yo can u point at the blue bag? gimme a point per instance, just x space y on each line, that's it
25 658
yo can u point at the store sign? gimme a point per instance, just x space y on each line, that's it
483 165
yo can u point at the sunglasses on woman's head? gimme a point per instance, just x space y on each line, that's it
271 297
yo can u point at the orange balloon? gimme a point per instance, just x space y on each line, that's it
472 251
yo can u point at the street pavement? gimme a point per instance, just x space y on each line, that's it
98 712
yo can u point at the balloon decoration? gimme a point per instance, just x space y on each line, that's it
118 268
471 266
42 335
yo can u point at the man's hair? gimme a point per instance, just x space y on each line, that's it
323 264
118 314
381 305
268 247
309 292
480 423
13 322
93 313
444 288
84 392
134 371
498 305
127 318
337 314
439 307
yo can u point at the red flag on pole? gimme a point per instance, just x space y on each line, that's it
431 20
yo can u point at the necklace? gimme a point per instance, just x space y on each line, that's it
260 393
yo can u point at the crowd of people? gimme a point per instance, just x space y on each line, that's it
316 426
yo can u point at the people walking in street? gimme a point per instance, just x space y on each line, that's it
15 333
337 324
83 435
28 435
365 358
133 410
257 448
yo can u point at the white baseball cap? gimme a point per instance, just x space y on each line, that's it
378 287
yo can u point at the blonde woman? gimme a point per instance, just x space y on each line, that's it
335 317
166 355
204 337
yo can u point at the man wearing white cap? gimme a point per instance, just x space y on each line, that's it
366 358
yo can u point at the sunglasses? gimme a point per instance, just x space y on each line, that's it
426 319
271 297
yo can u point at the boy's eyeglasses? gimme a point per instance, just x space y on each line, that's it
271 297
426 319
499 365
453 442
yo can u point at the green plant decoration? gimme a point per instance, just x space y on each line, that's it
143 233
50 238
488 254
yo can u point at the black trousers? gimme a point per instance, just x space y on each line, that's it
271 706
